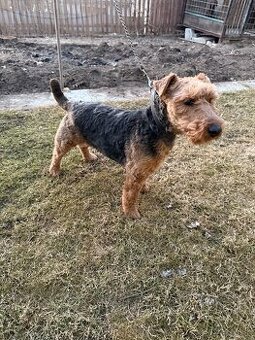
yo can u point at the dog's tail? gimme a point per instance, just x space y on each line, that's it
58 94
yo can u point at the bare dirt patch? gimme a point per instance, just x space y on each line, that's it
27 65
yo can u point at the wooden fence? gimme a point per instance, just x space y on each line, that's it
89 17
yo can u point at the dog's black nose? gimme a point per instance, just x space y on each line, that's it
214 130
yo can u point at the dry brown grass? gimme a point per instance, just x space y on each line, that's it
73 268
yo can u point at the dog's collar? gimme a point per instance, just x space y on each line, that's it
159 113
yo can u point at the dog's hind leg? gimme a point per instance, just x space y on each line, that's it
65 140
58 153
87 155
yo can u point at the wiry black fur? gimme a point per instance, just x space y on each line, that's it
111 130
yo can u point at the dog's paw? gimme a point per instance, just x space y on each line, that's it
54 172
133 214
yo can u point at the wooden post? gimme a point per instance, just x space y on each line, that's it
57 30
226 21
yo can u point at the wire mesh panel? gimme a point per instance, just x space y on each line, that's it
210 8
250 25
207 15
237 17
222 18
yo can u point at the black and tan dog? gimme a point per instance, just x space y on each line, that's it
140 140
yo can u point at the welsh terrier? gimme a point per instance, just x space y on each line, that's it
139 140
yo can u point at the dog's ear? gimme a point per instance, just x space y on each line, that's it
203 77
162 85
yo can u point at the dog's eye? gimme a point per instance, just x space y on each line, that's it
189 102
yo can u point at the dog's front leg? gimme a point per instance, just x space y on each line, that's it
131 189
138 170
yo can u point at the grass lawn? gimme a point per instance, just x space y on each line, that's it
72 267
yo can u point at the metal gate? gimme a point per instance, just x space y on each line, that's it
220 18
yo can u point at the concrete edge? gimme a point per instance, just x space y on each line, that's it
45 99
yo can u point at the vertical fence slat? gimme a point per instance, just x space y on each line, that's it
154 14
117 22
78 18
45 18
17 16
167 28
27 18
97 17
34 26
66 27
106 16
82 18
50 13
94 14
132 19
158 19
38 16
24 18
111 16
129 15
147 16
86 14
170 11
10 17
15 22
6 15
144 17
90 14
61 19
124 12
102 17
138 17
3 22
41 17
71 16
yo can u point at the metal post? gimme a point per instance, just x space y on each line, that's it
57 30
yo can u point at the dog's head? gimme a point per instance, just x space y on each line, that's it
190 106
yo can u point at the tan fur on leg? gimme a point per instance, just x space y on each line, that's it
138 169
58 153
66 138
87 155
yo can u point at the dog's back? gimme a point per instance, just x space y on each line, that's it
107 129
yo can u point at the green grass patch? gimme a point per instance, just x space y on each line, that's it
72 267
